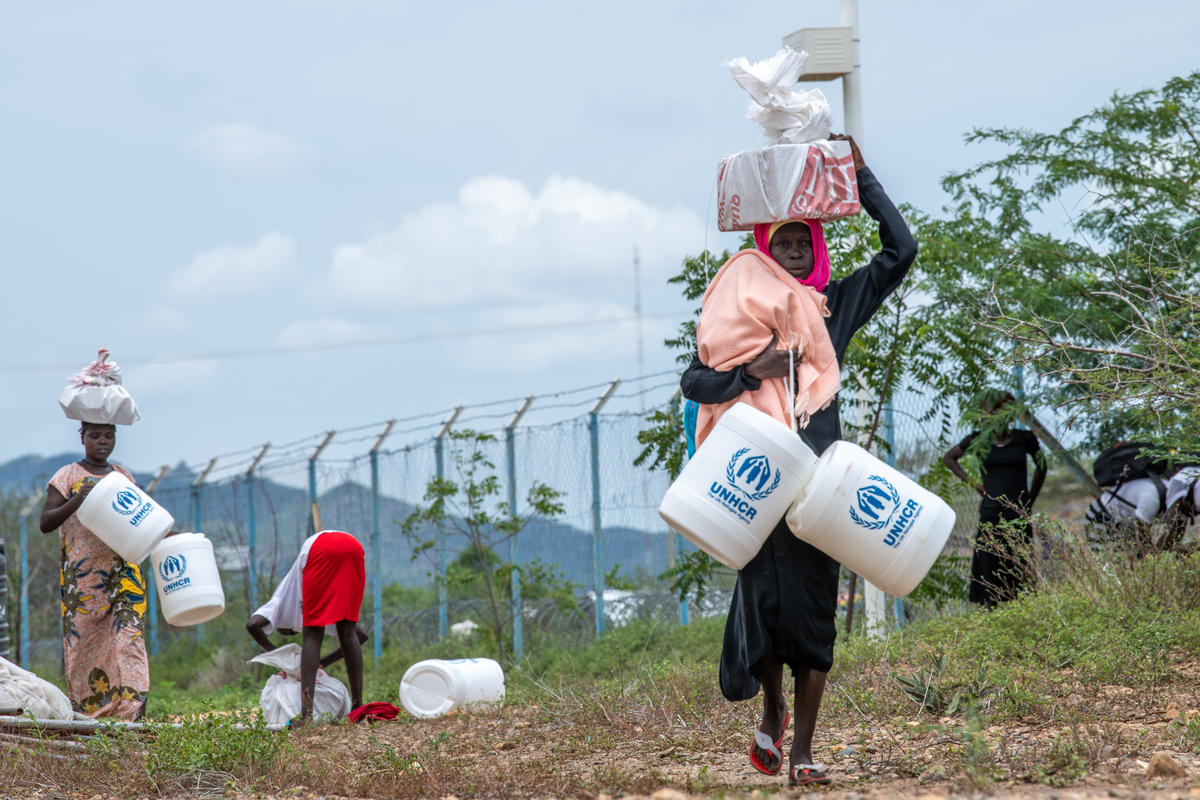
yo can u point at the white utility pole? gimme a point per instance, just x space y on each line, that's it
834 53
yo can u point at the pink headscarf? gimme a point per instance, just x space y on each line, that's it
819 277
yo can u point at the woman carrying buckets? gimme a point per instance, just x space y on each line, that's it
103 595
783 605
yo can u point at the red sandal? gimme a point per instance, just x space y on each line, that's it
808 775
762 742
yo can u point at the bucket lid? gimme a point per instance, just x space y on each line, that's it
426 690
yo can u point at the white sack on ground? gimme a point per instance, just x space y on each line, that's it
95 394
280 698
786 181
22 689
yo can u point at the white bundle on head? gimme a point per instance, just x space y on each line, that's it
787 116
95 394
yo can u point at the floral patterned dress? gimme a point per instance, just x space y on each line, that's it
103 605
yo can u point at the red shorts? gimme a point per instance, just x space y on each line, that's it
333 579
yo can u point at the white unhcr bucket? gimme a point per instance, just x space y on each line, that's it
738 485
433 687
187 579
124 517
872 518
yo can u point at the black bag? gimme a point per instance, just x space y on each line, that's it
1125 461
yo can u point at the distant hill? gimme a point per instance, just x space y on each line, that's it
282 523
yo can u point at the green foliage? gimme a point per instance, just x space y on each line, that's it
468 507
945 583
1106 315
238 745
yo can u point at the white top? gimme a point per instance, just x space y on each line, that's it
283 609
1181 483
1135 499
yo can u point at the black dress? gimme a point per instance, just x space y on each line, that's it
785 599
998 569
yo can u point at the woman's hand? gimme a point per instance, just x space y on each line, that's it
855 153
772 363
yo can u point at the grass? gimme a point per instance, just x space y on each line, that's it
1044 690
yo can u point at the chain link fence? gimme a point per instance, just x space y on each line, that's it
609 544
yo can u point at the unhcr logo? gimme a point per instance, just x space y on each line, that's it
751 475
126 501
878 502
172 567
748 479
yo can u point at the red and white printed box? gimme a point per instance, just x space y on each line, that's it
815 180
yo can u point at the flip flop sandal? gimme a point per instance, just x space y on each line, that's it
763 742
808 775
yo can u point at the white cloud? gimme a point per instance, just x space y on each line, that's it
233 273
248 149
500 244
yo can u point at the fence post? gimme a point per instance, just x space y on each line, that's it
597 549
197 486
314 516
889 437
251 537
438 449
4 640
514 550
674 536
376 547
148 579
23 590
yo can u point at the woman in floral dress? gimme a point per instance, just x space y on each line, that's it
103 595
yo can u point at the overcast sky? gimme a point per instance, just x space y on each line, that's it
322 201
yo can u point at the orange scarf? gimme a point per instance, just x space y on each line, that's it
748 300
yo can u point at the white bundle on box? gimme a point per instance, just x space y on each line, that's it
801 173
96 395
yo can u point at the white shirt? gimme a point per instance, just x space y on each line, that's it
1135 499
1181 483
283 609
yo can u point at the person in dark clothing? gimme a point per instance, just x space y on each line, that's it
998 567
783 605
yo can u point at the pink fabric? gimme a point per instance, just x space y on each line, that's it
819 277
750 299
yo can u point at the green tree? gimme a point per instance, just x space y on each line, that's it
1105 313
466 507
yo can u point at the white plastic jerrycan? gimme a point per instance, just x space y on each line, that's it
188 582
433 687
872 518
738 485
124 517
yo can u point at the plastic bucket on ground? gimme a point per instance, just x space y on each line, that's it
873 519
738 485
124 517
187 579
433 687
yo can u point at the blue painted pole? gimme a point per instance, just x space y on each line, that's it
23 593
251 545
443 611
196 526
889 436
597 549
514 550
377 546
683 604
